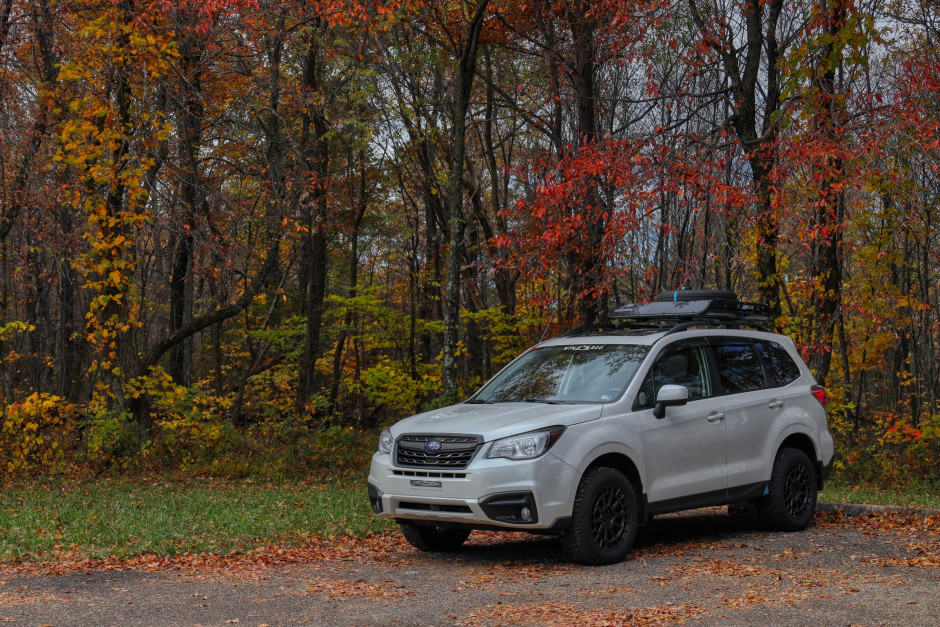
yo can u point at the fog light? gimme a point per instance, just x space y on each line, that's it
511 507
375 499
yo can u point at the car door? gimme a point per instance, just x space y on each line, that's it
751 410
685 450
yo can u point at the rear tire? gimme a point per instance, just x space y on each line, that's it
791 502
604 519
433 539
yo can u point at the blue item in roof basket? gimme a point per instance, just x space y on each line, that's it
684 294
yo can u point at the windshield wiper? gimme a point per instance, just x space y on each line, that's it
477 401
547 401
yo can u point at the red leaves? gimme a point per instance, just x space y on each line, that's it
601 196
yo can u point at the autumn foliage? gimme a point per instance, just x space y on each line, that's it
231 231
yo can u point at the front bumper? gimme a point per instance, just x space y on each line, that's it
523 495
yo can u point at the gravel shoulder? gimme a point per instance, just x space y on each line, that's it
696 568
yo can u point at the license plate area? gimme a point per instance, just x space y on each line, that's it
424 483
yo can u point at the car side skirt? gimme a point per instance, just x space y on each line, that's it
708 499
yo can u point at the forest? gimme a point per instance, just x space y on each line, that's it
239 236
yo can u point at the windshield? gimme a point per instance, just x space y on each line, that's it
576 374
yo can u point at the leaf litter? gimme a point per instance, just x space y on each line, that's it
739 580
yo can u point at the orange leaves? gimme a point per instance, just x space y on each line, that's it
378 548
558 613
358 589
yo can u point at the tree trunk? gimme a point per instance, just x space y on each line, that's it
760 50
191 113
586 263
455 216
830 206
315 150
351 319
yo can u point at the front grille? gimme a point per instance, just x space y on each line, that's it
455 451
429 474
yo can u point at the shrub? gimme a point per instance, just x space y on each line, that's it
35 432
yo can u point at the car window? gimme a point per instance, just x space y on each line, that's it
738 367
676 366
780 367
574 373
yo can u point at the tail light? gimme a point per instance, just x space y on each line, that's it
820 393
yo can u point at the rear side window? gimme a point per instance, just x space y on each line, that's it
781 369
739 370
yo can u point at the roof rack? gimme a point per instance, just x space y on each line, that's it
683 314
680 310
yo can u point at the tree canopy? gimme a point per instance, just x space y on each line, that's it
231 223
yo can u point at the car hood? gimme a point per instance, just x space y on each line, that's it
498 420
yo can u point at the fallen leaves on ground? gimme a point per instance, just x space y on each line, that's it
920 535
379 547
568 614
358 589
880 524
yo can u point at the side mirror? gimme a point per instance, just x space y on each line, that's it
670 396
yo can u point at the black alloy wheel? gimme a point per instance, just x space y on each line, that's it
610 517
604 518
791 500
797 490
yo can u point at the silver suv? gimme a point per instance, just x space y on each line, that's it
683 403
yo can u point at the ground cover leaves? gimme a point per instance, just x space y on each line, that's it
500 581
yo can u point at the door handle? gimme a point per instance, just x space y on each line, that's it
715 417
775 404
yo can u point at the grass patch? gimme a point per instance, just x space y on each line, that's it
915 495
42 521
50 521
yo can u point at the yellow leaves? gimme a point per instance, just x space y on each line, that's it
8 330
906 301
30 428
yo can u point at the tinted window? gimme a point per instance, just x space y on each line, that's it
682 366
738 367
576 373
780 367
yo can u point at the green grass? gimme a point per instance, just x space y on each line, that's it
48 521
917 496
42 521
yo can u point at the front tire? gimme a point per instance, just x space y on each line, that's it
433 539
791 503
604 519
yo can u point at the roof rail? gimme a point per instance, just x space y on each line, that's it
589 328
712 322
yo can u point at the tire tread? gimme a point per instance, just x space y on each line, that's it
772 508
433 539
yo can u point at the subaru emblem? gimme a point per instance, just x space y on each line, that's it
433 446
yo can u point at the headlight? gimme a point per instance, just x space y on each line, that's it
386 441
527 445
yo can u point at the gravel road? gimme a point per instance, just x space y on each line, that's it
698 568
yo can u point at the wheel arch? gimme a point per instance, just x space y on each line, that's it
622 463
804 443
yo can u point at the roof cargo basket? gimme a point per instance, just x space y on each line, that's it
687 308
